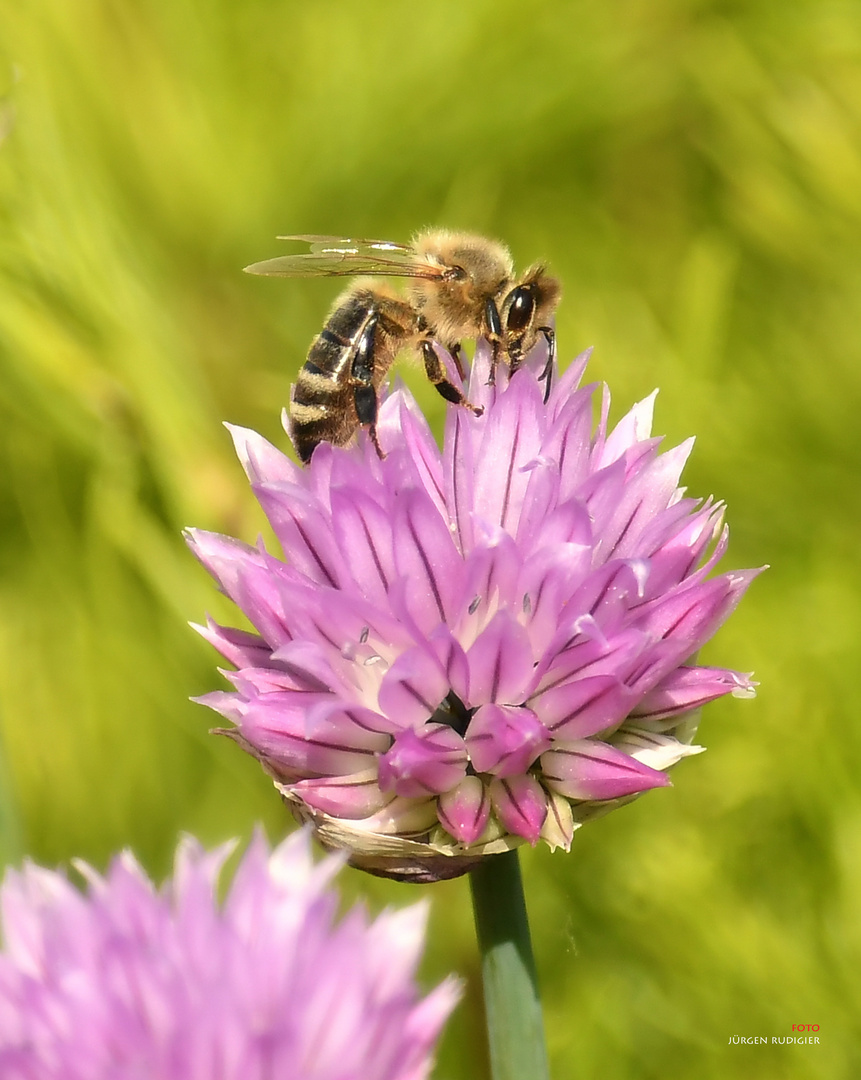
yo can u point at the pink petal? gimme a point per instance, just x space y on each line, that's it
423 761
490 580
459 473
240 647
690 615
246 576
569 440
609 593
427 559
633 428
464 810
567 523
539 500
520 803
500 663
590 653
421 453
341 469
565 386
304 530
262 462
511 443
353 797
359 727
589 769
312 666
601 493
452 659
329 749
644 497
363 534
677 541
547 580
688 688
413 688
583 706
505 740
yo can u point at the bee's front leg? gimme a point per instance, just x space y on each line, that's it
455 350
493 331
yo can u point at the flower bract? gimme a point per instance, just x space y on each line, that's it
129 982
466 648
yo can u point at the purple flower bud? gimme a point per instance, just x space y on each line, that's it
464 810
504 740
423 761
131 981
520 803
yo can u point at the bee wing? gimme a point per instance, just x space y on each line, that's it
324 244
334 256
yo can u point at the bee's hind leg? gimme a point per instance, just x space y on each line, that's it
366 410
362 376
546 375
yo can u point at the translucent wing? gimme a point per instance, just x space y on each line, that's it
335 256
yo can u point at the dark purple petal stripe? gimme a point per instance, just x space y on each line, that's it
426 558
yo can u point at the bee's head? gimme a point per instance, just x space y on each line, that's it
474 269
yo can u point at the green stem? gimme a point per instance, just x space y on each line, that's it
515 1030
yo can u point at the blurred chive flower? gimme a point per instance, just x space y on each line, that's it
131 982
470 648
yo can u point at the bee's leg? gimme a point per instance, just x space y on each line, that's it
456 352
493 329
436 373
547 372
453 348
362 377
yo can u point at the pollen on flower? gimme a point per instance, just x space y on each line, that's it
466 648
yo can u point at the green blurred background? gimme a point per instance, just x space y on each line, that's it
692 171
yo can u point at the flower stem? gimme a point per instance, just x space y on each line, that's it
515 1030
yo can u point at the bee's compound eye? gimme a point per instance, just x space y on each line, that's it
520 309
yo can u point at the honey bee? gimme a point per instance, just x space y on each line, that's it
460 286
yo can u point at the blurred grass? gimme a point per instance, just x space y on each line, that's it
692 171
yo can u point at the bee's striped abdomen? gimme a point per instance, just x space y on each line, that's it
322 405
